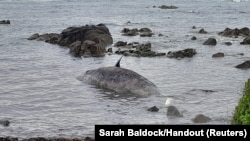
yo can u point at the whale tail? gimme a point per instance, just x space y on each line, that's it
118 63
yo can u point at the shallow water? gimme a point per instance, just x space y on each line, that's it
39 92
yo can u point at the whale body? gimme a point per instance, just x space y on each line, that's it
120 80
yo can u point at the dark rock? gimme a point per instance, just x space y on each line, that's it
193 27
110 50
210 41
143 32
8 139
75 37
139 50
245 65
167 7
201 119
246 41
153 109
34 36
228 43
202 31
193 38
160 35
75 49
235 32
5 122
219 54
5 22
189 52
173 111
120 43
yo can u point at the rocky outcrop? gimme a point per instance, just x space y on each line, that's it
137 50
189 52
88 40
235 32
5 22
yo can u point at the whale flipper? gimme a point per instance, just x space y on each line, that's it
118 63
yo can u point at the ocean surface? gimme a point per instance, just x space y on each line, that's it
39 92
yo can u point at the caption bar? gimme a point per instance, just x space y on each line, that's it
204 132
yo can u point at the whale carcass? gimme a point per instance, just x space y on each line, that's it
120 80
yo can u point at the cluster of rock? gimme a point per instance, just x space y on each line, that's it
173 112
88 40
5 22
143 32
136 49
235 32
189 52
245 32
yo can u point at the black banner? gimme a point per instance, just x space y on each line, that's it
165 132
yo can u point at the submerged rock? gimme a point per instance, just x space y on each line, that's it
173 111
5 122
201 119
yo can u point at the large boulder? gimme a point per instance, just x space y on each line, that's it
97 38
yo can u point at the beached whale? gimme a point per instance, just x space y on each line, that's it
120 80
